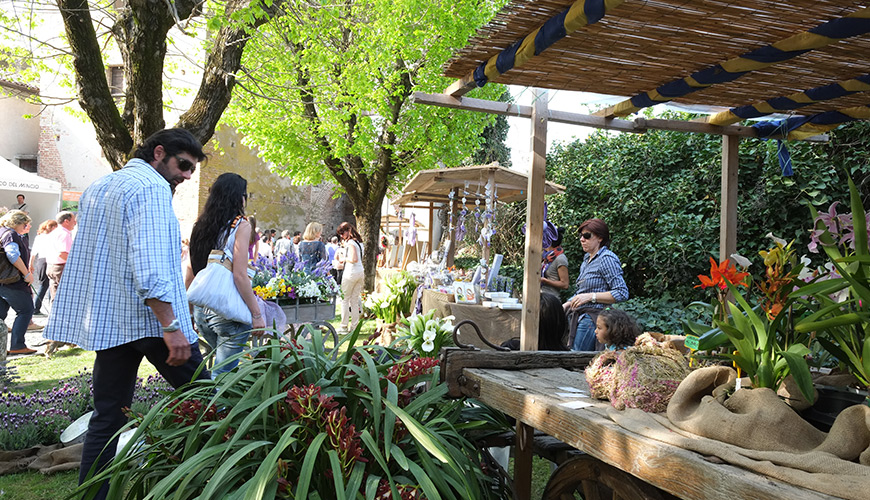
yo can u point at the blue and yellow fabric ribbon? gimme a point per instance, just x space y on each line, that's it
857 23
579 14
793 101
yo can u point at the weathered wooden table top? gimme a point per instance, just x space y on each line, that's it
537 396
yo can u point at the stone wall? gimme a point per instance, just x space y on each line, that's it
273 199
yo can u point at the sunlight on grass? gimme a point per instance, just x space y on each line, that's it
41 373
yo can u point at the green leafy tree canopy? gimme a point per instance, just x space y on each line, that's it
327 96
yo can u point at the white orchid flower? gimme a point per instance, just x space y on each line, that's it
429 335
428 346
740 260
779 241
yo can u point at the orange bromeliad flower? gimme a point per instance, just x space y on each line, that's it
720 273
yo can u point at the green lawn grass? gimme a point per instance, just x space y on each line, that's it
36 486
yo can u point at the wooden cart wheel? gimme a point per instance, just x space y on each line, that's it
596 480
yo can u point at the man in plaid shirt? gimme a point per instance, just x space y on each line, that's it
122 293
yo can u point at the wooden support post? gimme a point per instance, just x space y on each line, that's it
728 214
532 279
431 229
534 226
451 233
523 462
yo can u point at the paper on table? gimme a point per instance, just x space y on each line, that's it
572 394
576 405
570 389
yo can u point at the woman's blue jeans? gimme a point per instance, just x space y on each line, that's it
584 339
22 303
227 338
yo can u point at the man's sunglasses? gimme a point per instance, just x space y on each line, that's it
586 236
184 164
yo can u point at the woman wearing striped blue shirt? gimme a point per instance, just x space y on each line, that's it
599 284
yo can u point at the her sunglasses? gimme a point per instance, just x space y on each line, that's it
586 236
184 164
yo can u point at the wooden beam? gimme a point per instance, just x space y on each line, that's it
462 86
455 360
534 225
509 109
639 125
728 210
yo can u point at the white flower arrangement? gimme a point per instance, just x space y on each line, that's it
425 334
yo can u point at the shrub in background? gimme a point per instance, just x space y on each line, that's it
660 194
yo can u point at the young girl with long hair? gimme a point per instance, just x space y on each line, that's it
222 225
353 277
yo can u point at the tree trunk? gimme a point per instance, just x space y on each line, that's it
140 32
369 223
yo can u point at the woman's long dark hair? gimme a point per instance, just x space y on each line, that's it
552 324
344 227
224 203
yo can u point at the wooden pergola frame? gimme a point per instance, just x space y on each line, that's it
692 54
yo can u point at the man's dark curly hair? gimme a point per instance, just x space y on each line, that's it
174 141
621 327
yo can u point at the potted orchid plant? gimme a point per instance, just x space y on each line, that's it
842 294
425 335
756 338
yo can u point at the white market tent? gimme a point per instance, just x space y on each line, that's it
42 195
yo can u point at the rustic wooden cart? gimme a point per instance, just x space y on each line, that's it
614 461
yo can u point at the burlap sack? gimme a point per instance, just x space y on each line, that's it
45 459
758 419
792 395
49 461
816 470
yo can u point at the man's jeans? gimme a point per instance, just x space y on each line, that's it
115 371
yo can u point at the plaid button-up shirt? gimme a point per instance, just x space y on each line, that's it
602 273
127 250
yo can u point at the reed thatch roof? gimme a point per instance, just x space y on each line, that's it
470 182
640 45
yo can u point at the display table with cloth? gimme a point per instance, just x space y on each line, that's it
496 325
434 299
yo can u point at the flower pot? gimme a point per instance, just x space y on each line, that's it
304 313
387 332
830 402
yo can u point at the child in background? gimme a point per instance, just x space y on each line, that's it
616 329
